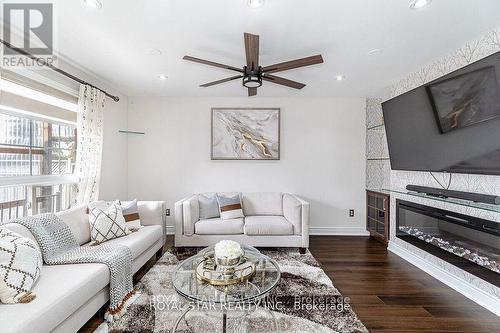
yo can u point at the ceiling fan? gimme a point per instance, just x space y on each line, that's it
253 74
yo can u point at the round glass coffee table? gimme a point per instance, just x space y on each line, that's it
241 295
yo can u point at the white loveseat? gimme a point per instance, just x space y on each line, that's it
272 219
69 295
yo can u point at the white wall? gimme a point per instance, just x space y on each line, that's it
114 151
322 154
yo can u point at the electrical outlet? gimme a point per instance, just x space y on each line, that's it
167 212
351 212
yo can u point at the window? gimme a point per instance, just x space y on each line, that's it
31 147
37 155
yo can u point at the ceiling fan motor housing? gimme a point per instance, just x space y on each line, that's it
252 78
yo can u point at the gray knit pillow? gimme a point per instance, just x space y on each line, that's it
209 208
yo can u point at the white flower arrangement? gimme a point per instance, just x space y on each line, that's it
228 249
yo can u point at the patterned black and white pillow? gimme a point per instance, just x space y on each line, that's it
107 223
20 265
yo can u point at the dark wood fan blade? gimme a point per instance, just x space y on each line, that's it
211 63
313 60
221 81
252 91
283 82
252 51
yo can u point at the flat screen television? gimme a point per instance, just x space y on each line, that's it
451 124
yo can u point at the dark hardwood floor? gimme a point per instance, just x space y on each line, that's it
391 295
387 293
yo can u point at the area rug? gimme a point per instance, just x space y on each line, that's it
309 302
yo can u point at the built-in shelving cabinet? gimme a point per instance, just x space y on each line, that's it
377 215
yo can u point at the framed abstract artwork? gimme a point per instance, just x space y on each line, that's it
245 134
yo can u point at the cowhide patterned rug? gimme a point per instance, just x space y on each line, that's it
308 302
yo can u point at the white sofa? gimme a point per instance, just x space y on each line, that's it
272 219
69 295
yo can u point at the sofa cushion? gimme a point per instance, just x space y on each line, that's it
267 225
229 206
262 203
23 231
20 264
60 291
107 224
130 210
209 208
139 241
219 227
77 219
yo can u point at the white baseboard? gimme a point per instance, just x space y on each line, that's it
338 231
468 290
170 230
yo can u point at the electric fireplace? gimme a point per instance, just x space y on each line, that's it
470 243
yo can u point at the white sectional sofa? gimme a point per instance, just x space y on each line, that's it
67 296
272 219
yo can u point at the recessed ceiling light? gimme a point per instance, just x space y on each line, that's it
339 77
255 3
154 52
162 77
419 4
374 52
93 4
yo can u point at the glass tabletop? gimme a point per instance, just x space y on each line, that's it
266 278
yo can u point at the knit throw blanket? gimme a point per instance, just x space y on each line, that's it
59 246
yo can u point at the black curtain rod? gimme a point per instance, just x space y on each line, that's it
58 70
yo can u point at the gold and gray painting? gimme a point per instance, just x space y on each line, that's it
245 134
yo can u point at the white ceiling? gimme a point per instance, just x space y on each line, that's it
114 42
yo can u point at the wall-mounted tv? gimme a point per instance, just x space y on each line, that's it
451 124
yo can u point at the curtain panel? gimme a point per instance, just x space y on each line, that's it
89 144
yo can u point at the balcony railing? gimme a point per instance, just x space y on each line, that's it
23 200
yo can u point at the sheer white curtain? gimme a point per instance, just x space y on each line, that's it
89 144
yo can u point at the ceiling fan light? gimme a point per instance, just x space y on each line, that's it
252 81
255 3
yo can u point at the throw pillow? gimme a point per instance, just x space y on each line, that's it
130 210
20 265
229 206
98 204
131 214
108 223
209 208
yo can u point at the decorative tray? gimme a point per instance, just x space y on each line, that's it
208 271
